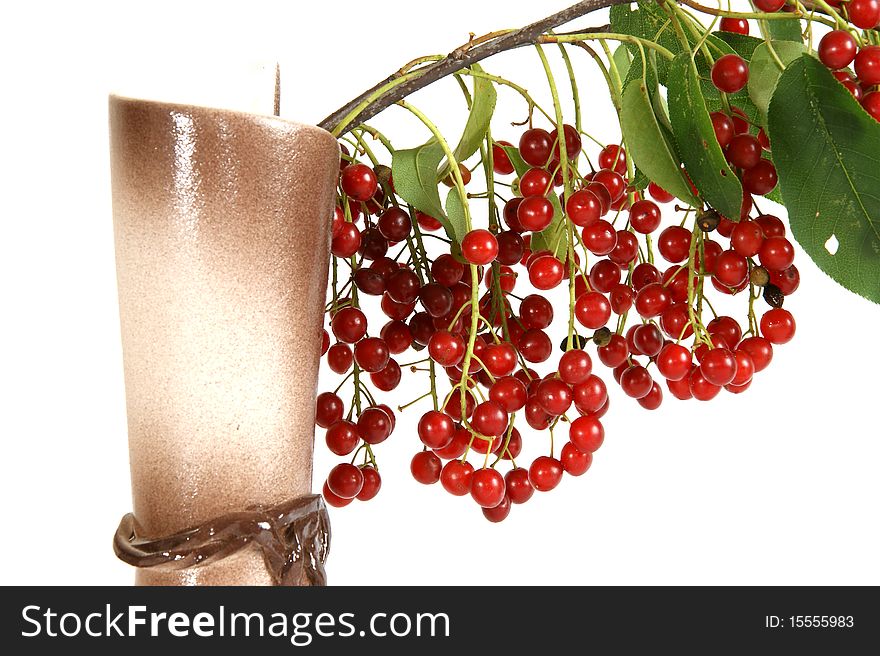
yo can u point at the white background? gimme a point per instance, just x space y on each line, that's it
775 486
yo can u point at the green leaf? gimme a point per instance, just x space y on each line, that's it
623 60
457 226
482 107
697 145
742 44
415 177
647 144
827 152
764 73
784 30
649 22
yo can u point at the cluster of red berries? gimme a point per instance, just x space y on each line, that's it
838 50
461 310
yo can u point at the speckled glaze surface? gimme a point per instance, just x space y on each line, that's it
221 223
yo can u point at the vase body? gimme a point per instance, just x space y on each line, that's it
222 233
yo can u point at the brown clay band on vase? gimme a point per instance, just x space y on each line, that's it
222 227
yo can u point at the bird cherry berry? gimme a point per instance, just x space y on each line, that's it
479 247
425 467
730 73
545 473
487 487
837 49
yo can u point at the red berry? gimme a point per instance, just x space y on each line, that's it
371 354
613 157
339 358
636 382
387 379
498 513
554 396
614 352
744 151
787 280
375 425
575 367
734 25
372 483
461 440
769 6
745 368
535 311
487 487
777 253
871 103
771 225
489 419
342 437
658 193
719 366
731 268
334 500
519 487
778 326
746 238
837 49
761 179
479 247
436 429
445 348
455 477
864 14
426 222
612 181
674 244
723 126
425 467
500 161
345 480
599 237
730 73
644 216
509 392
590 395
586 433
546 272
325 341
359 181
536 146
700 388
349 325
573 460
446 270
329 409
545 473
534 345
760 349
867 65
652 300
583 208
572 141
535 213
648 339
674 362
592 310
653 399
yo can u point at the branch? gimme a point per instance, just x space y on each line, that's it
470 53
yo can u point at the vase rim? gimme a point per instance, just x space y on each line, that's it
163 105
